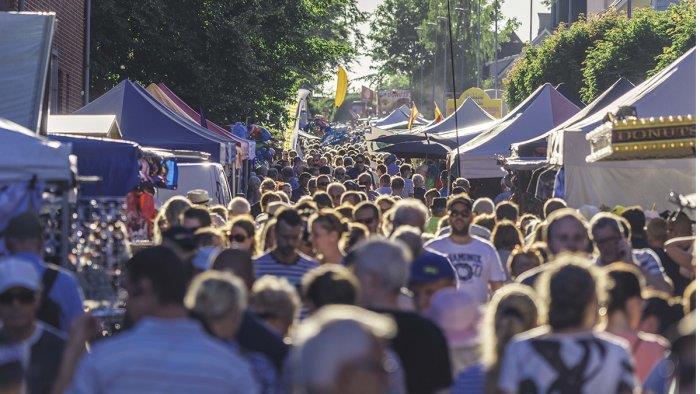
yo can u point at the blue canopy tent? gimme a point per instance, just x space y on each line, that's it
144 120
115 162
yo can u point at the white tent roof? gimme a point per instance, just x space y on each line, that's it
25 42
395 116
616 90
468 114
544 109
103 126
23 155
669 92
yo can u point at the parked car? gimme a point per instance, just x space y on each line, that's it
207 176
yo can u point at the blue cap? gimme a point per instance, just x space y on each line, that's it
430 267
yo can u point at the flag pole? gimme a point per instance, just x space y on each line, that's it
454 88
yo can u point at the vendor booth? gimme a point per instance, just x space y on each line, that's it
668 94
37 175
532 174
544 109
145 120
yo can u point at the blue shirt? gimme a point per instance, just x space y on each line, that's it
444 192
163 356
268 265
470 381
65 290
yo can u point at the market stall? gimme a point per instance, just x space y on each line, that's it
544 109
36 175
669 93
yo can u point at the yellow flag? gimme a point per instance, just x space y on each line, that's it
341 86
438 114
412 117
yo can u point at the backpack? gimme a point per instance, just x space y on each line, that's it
49 311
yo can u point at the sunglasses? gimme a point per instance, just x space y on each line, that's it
238 238
464 214
24 296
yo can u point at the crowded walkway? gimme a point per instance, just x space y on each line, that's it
344 270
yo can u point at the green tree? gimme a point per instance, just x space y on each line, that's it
627 50
558 59
237 59
591 54
403 38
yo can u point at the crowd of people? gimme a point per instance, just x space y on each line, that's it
349 272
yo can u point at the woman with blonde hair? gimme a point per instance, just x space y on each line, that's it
327 229
218 299
513 309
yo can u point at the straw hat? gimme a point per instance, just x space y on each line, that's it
198 196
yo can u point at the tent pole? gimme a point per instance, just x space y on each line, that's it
454 87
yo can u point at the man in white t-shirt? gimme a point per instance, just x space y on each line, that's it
478 266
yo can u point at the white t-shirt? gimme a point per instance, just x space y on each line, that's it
539 361
476 263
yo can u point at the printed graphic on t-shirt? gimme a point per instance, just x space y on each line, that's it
467 265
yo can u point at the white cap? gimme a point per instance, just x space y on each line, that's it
17 272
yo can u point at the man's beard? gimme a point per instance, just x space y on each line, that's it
460 231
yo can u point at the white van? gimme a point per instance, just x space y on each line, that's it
207 176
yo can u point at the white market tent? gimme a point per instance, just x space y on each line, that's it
468 114
534 150
544 109
24 155
25 44
645 182
101 126
395 116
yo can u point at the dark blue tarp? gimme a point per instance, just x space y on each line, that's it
144 120
116 162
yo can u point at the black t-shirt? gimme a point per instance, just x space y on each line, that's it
254 336
256 209
673 271
423 351
45 354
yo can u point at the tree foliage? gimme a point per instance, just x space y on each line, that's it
592 54
238 60
404 40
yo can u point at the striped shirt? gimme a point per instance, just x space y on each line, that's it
163 356
647 261
268 265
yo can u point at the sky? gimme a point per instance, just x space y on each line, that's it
519 9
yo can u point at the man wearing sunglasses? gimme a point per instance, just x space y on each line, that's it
39 345
63 298
614 245
478 266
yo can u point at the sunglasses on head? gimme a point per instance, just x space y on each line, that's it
238 238
24 296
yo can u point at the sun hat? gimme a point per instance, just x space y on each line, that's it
198 196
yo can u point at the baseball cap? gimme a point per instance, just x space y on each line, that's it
457 314
17 272
460 198
430 267
24 226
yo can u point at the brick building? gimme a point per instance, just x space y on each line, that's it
68 55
